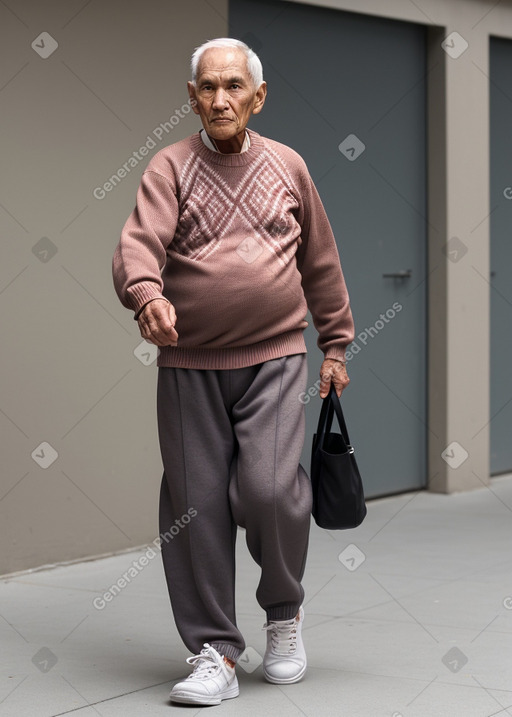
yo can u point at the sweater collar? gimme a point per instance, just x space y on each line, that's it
206 139
238 159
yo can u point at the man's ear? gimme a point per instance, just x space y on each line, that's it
259 101
192 94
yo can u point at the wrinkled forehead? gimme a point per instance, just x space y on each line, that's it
223 61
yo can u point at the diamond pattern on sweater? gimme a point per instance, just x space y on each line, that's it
260 203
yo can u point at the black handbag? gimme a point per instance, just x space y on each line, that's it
338 495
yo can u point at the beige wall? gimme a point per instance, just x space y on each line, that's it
70 377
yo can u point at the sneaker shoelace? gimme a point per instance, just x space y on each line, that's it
205 665
284 636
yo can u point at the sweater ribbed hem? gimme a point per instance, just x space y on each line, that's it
233 357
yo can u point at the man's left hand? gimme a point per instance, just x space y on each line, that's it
335 371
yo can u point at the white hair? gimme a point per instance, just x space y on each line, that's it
253 61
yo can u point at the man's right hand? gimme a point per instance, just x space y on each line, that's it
156 323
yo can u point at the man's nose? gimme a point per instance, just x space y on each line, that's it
220 99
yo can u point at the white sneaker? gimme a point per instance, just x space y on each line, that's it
285 658
211 681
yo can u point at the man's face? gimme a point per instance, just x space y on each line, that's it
225 93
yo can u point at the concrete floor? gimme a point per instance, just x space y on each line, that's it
410 615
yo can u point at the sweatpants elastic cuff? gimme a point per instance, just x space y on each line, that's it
283 612
229 651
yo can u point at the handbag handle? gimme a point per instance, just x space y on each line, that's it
331 404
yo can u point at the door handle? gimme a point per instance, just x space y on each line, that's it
399 275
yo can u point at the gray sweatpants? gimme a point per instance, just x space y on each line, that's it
231 441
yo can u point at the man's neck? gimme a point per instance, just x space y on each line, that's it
229 146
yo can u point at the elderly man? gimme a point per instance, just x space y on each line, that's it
226 249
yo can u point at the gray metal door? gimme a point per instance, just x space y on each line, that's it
347 92
501 254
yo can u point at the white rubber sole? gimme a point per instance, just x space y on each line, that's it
192 698
285 681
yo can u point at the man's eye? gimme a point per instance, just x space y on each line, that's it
235 85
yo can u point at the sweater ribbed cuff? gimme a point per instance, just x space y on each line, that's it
338 354
139 294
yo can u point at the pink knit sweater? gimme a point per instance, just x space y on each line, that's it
241 245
